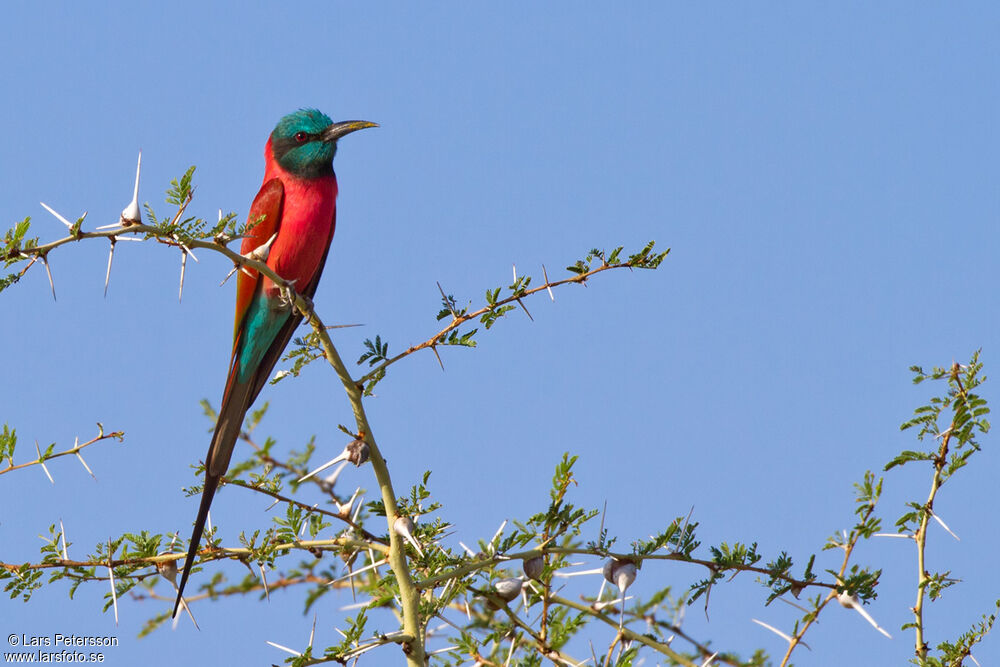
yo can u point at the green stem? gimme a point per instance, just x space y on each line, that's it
408 593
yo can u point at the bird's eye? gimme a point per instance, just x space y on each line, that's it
301 137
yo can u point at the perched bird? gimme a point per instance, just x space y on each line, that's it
293 219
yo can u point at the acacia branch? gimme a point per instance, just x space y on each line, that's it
469 568
309 509
206 554
75 449
920 536
460 319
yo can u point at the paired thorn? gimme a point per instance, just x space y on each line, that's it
497 535
168 570
777 632
447 301
107 276
547 287
346 509
622 574
285 649
69 225
42 463
403 526
184 248
236 267
945 526
852 602
76 446
111 578
48 271
351 574
263 579
62 535
261 252
525 309
355 451
180 291
131 215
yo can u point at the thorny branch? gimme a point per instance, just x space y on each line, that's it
74 450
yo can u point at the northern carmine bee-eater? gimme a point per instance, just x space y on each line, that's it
297 206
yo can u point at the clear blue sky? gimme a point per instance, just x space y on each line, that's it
826 178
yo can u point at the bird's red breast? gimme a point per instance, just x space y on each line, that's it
303 212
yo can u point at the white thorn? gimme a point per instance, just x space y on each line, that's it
111 577
600 591
944 525
514 269
797 606
263 579
312 633
107 276
345 508
599 570
546 274
497 535
185 607
403 526
236 267
340 457
69 225
180 292
608 603
355 605
45 261
773 629
131 213
357 511
305 524
138 167
467 549
42 463
331 479
352 574
709 659
513 639
62 531
285 649
261 252
87 467
852 602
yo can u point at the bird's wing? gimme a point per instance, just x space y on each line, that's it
265 218
285 334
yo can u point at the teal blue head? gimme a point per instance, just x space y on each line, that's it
305 142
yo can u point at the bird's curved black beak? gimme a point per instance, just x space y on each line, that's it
333 132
